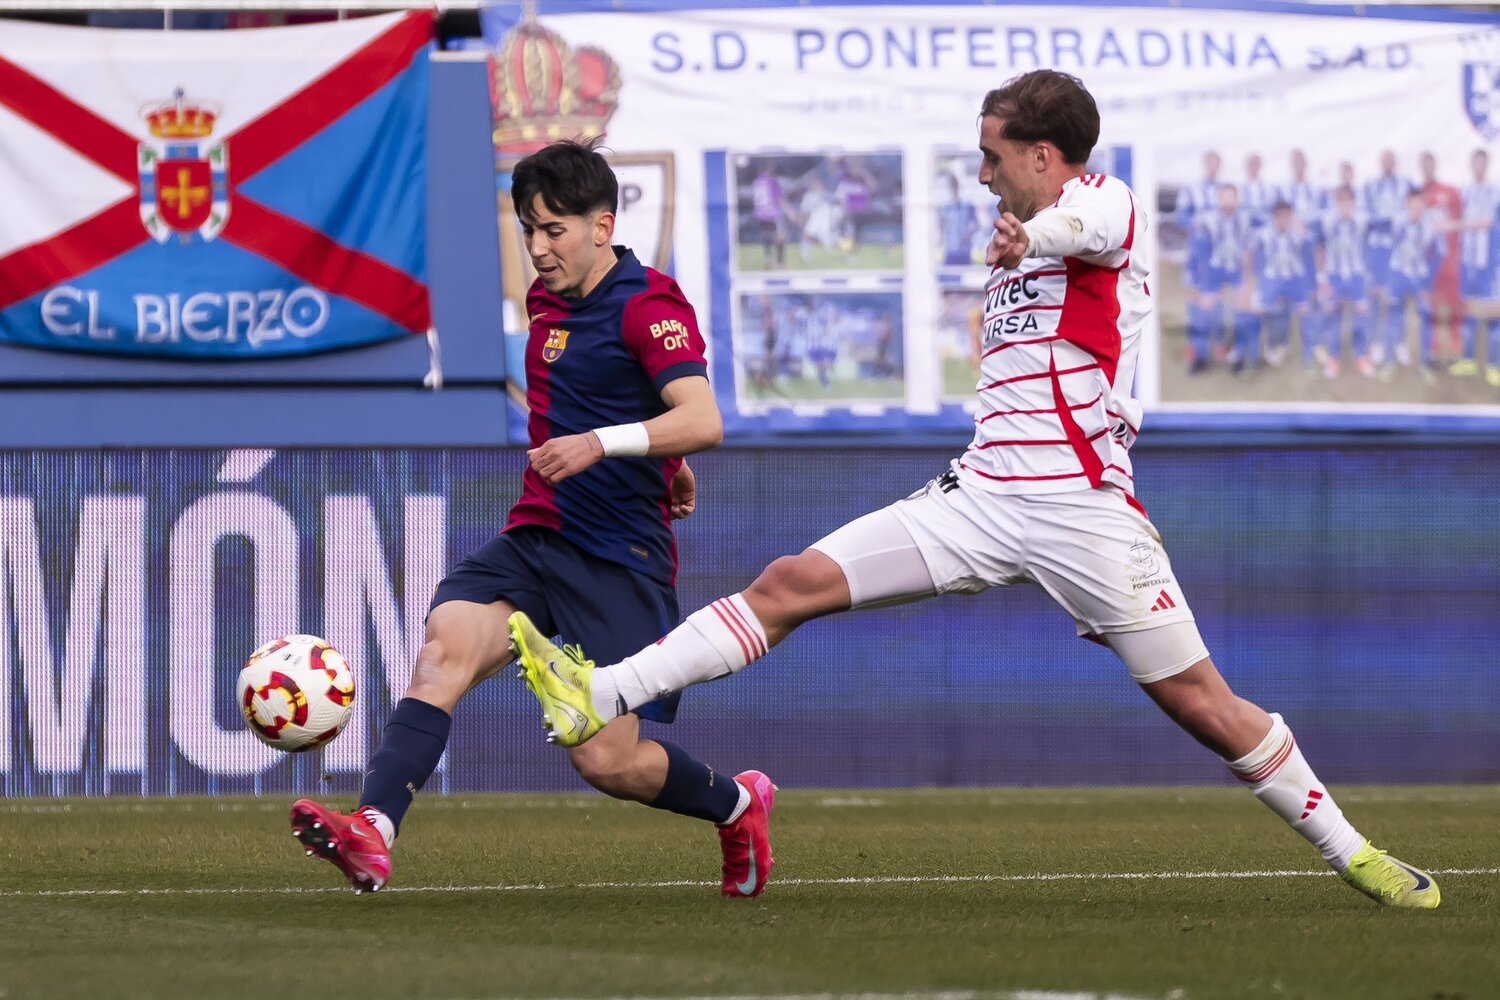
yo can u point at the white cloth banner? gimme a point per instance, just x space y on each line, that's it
827 221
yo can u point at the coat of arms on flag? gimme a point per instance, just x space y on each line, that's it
214 194
184 172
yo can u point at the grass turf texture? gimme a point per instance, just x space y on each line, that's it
560 932
864 257
839 390
960 376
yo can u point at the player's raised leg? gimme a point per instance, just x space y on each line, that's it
1262 752
578 699
466 642
871 561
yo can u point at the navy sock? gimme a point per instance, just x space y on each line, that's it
410 747
693 789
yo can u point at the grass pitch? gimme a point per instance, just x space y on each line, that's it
839 390
1193 893
863 257
960 376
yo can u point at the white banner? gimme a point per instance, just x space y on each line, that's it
827 214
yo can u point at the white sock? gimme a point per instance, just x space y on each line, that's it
381 822
740 807
1280 777
714 642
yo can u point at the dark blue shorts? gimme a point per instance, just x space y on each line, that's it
608 609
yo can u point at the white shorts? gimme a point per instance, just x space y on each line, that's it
1095 553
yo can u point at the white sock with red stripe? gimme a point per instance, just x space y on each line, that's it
1280 777
714 642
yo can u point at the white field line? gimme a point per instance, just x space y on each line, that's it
945 995
585 801
693 883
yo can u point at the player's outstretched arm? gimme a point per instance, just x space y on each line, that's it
1054 232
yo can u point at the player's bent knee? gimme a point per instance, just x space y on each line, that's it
800 587
598 768
605 769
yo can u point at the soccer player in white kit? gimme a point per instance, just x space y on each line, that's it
1043 494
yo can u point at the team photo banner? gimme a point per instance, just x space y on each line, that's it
214 194
809 173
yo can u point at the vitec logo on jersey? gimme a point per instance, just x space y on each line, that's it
557 342
184 174
1481 85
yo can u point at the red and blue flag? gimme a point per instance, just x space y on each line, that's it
214 195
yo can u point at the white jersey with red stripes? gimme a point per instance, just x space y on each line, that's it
1061 336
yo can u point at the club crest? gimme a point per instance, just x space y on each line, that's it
557 342
184 172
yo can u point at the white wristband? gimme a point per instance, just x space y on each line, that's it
624 439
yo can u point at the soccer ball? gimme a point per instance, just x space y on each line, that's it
296 692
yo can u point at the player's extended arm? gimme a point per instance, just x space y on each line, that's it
691 424
1077 230
1071 231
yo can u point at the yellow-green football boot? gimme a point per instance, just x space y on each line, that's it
1391 882
560 680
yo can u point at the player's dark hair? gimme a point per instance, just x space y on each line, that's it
1047 106
572 177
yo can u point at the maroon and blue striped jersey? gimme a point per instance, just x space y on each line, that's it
594 362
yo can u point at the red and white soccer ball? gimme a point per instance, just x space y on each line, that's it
296 692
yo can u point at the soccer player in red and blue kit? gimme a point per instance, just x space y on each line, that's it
618 391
